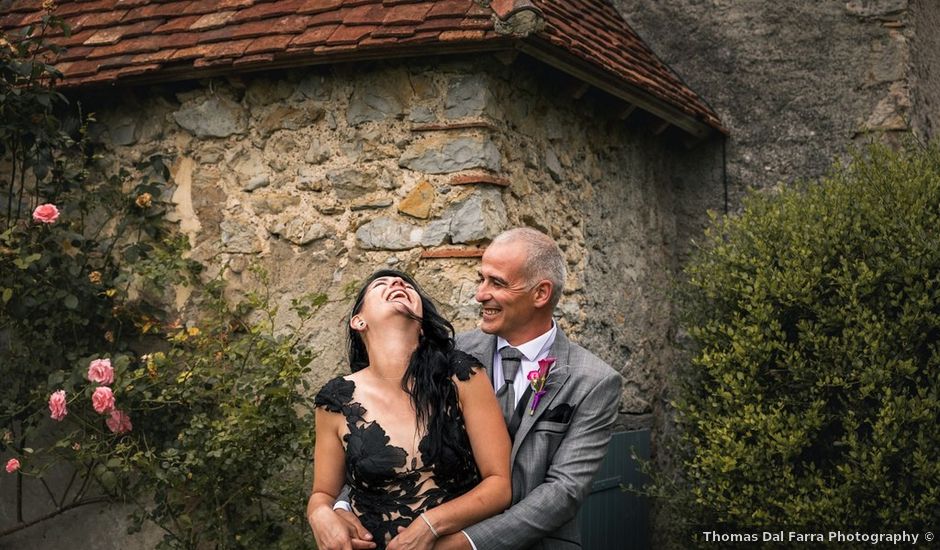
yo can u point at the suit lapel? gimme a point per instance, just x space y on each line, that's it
483 347
557 377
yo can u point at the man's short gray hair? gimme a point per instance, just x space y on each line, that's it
544 259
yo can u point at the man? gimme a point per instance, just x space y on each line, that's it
559 438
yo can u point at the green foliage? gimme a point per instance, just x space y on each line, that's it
813 395
222 433
222 428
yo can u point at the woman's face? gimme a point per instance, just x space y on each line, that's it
388 298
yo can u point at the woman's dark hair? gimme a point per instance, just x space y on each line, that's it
427 378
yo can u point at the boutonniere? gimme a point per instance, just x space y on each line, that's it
537 379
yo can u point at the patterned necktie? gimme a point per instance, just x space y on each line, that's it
511 360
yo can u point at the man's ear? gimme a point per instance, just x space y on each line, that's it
543 293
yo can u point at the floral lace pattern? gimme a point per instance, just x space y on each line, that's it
387 491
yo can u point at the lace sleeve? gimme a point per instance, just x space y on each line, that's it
335 394
463 364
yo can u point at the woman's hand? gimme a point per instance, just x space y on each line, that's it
333 530
417 536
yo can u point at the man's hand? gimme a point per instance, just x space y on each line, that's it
339 530
455 541
416 537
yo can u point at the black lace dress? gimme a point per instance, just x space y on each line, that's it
388 488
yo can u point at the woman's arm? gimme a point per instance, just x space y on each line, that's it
329 472
489 441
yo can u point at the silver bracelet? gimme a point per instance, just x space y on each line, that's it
431 527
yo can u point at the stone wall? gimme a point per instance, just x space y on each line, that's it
925 57
799 82
326 174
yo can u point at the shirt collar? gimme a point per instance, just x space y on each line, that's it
534 347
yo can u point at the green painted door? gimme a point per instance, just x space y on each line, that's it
612 518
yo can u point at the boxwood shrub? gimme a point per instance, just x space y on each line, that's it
812 398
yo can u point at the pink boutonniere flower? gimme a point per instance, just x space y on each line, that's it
537 379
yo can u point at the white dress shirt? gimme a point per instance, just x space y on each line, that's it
532 351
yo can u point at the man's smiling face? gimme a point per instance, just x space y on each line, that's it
506 297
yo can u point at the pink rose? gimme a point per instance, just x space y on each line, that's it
102 400
46 213
119 422
100 371
57 408
12 465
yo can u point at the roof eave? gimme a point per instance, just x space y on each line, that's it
603 80
181 72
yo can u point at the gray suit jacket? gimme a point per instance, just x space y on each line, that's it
556 451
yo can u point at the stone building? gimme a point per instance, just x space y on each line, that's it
325 139
799 83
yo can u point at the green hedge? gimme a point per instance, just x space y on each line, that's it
813 395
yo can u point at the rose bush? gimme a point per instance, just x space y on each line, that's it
199 417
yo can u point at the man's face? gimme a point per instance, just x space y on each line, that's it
506 297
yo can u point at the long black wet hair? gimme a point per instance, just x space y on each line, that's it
427 377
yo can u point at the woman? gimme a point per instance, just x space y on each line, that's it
415 432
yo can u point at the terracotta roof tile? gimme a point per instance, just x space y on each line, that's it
117 39
270 9
253 59
157 10
391 31
226 4
133 45
288 25
177 24
453 23
200 7
349 35
219 62
449 8
94 20
212 20
378 41
269 44
112 35
449 36
76 39
71 8
407 14
139 69
314 36
319 6
192 52
153 57
175 40
369 14
73 54
335 49
118 61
